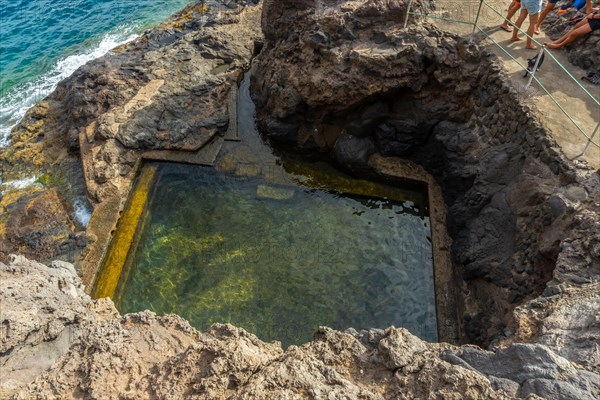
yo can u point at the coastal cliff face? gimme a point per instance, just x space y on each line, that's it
57 343
334 76
346 78
164 93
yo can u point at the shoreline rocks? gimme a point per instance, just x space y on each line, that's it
164 94
523 218
90 351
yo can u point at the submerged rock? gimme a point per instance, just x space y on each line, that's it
275 193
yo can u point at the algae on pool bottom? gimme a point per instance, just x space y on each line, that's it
212 247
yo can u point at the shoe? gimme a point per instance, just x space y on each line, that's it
592 77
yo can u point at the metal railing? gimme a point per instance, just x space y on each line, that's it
532 73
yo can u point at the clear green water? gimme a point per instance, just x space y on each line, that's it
212 249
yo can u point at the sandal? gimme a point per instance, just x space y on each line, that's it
507 29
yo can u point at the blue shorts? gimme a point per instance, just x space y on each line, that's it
577 3
532 6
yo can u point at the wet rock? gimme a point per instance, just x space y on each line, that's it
40 226
353 152
370 117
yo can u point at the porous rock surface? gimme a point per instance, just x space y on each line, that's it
524 219
167 91
57 343
339 76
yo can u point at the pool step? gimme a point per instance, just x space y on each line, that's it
205 156
274 193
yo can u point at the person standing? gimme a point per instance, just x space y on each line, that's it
512 9
549 7
531 8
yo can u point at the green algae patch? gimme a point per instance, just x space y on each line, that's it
322 176
118 251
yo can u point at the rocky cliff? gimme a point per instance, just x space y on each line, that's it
57 343
348 79
334 76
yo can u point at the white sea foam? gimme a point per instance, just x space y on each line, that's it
15 104
82 212
19 184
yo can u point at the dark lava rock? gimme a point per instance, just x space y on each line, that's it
445 103
353 152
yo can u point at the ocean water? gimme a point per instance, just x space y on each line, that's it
45 41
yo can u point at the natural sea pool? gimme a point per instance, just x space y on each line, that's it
280 260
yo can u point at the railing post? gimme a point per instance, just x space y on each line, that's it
535 67
590 140
407 13
477 17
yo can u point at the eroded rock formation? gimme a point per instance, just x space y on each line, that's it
340 82
166 92
338 76
58 343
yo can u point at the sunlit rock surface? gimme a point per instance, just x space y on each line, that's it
57 343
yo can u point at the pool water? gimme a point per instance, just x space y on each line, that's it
273 243
280 260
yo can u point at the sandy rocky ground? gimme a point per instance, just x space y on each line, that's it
580 58
58 343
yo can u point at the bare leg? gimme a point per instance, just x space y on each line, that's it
532 24
518 24
548 8
584 21
570 36
512 9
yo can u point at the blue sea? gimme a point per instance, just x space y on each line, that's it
45 41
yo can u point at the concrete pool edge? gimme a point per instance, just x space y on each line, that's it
445 281
107 218
112 267
106 215
444 275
